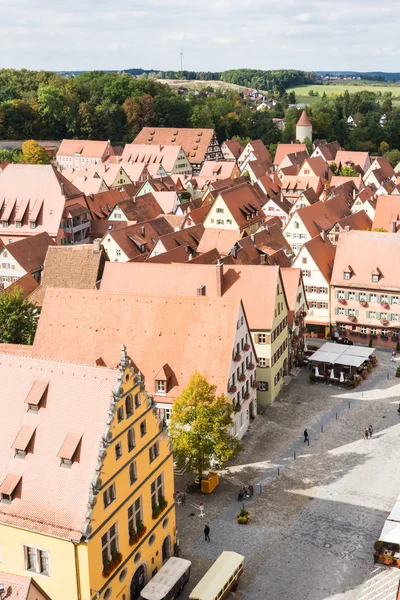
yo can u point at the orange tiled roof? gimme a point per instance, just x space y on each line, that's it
285 149
255 285
189 333
195 142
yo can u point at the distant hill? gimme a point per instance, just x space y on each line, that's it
365 75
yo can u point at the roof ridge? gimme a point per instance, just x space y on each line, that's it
61 362
117 293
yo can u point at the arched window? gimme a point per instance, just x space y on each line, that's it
131 440
129 406
132 472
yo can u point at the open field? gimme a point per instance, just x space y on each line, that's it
195 84
302 91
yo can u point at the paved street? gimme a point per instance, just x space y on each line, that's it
312 528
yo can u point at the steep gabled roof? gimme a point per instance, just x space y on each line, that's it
285 149
30 252
72 391
195 142
89 148
141 208
244 203
79 267
131 238
322 251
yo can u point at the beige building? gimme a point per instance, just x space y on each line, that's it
365 287
237 208
80 154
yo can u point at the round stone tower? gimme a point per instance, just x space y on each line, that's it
303 128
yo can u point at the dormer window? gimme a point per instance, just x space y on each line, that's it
375 278
162 377
35 398
23 440
8 487
32 224
346 275
69 449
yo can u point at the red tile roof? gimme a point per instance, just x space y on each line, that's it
285 149
195 142
304 121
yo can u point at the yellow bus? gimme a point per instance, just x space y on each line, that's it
221 579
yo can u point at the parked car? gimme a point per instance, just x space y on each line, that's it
344 340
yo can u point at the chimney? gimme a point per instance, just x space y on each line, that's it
354 193
62 188
96 245
347 228
91 196
262 259
253 237
143 231
201 290
220 278
323 235
234 251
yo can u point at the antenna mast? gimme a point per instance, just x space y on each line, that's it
181 61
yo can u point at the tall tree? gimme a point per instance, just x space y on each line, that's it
18 318
34 154
199 427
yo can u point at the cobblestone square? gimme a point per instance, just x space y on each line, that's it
312 527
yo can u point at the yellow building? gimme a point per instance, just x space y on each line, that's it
236 208
86 471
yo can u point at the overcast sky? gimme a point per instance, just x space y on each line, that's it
213 34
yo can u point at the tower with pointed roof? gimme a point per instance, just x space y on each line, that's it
303 128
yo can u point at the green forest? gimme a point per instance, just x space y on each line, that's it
99 105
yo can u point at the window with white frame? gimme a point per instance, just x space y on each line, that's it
161 387
352 295
363 297
395 317
305 273
36 560
395 300
384 298
363 330
323 305
109 543
373 298
157 490
263 386
342 328
385 332
131 439
262 339
352 312
262 362
384 315
372 314
375 278
118 252
314 305
346 275
341 311
313 289
341 294
135 515
373 330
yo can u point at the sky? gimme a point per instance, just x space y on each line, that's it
214 35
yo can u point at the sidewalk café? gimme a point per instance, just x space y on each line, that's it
340 364
387 548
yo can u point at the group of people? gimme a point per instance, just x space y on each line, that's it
245 493
368 432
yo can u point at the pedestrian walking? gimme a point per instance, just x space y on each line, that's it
305 435
393 355
366 433
370 431
207 533
251 490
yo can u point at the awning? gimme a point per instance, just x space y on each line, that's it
390 532
340 354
